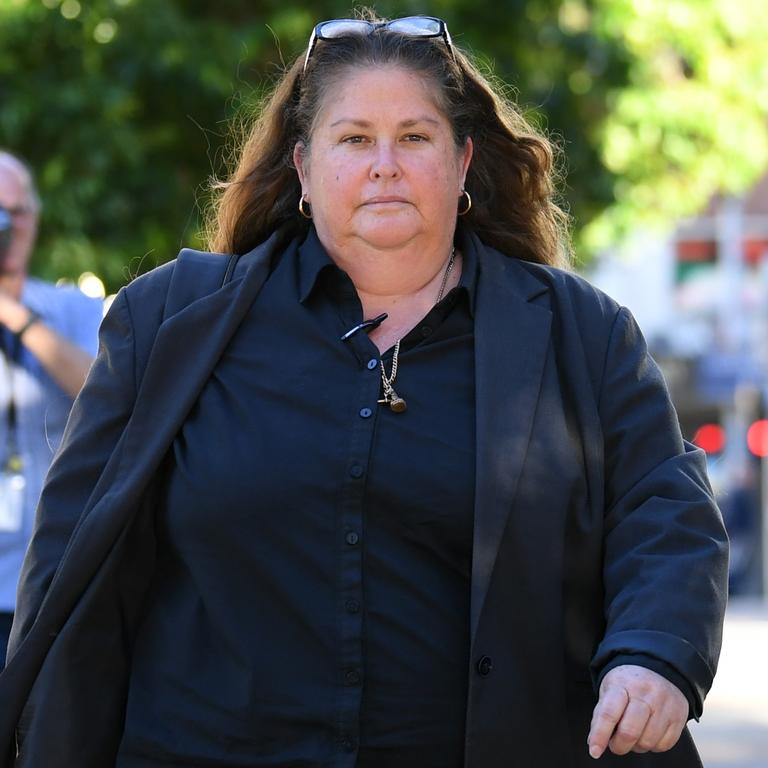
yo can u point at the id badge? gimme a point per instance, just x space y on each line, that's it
11 501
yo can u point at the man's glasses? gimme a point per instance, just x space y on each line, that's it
7 215
410 26
19 210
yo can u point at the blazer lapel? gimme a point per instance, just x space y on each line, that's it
186 349
511 341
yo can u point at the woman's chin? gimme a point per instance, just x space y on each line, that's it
388 234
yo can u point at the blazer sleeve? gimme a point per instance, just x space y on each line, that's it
665 548
97 419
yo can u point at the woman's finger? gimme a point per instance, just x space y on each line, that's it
631 726
654 732
608 712
670 737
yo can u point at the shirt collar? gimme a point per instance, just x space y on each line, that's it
314 261
469 267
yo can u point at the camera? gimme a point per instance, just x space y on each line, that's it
6 230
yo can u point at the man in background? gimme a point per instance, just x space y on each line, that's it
48 338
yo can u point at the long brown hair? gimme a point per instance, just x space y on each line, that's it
510 179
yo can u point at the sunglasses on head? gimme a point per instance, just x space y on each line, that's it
410 26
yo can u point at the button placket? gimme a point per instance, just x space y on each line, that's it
351 532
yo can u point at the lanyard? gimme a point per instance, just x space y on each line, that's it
11 348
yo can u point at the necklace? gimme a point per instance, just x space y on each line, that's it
391 398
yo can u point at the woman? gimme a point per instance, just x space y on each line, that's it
399 493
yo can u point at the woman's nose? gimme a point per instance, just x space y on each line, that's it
384 165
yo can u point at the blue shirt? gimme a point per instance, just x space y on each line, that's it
42 408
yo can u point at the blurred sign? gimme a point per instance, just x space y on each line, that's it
719 373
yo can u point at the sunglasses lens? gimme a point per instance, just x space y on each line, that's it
342 28
411 26
416 26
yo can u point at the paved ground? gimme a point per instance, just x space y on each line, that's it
733 733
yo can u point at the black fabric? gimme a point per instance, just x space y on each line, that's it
569 411
312 597
6 620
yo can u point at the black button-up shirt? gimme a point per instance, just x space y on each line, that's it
310 605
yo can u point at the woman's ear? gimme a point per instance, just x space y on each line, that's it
466 159
299 162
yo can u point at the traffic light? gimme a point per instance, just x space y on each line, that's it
757 438
710 438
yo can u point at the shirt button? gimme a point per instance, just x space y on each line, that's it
366 413
352 606
425 331
352 538
372 363
347 744
484 666
351 677
356 470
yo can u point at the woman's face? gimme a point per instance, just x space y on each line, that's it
382 169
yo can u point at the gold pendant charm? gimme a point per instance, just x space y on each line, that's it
397 404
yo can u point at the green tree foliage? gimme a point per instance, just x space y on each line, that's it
692 119
123 107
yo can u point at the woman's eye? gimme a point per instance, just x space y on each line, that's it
353 139
415 137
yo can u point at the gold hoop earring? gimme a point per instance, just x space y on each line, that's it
466 194
303 202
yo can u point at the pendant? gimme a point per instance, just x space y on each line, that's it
397 404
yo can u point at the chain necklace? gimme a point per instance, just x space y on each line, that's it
391 398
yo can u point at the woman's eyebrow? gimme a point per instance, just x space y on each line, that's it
367 123
352 121
418 120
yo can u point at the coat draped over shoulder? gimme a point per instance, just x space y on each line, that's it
588 507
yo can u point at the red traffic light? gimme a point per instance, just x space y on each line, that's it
757 438
710 438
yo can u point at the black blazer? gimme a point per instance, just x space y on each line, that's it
595 529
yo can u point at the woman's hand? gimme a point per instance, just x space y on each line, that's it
638 711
